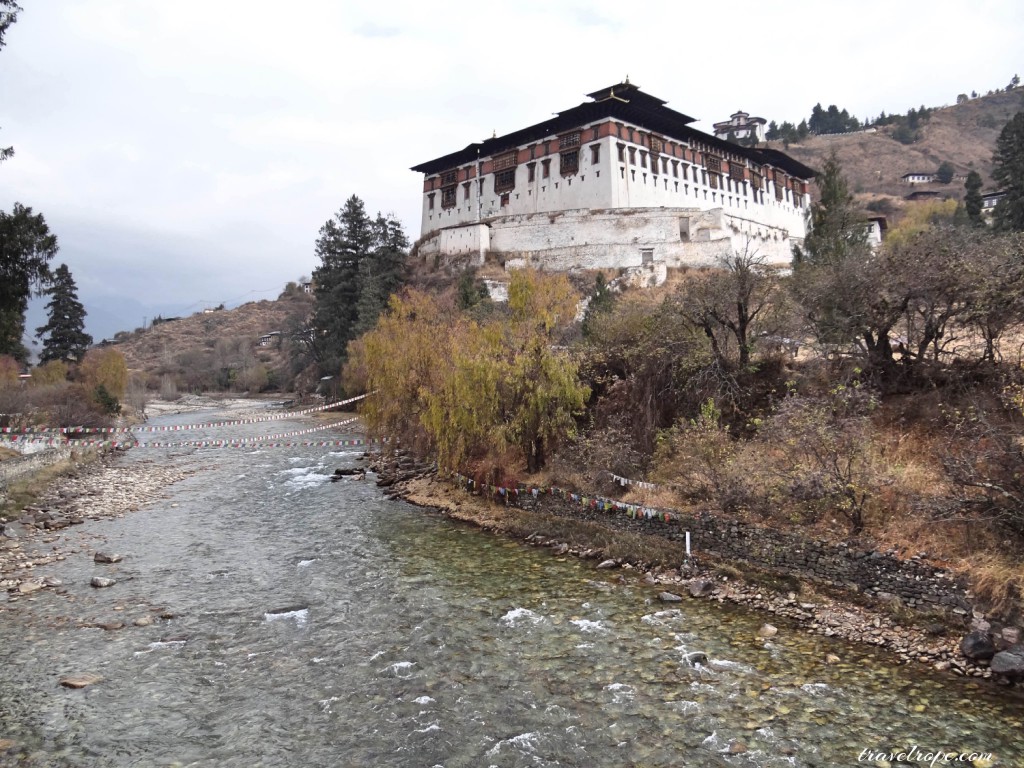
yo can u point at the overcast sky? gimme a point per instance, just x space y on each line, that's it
186 153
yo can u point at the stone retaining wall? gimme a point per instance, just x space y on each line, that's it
915 582
12 469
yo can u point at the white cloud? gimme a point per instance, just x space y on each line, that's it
216 137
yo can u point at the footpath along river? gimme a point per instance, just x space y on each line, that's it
320 624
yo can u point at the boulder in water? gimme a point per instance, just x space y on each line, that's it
99 582
106 557
669 597
768 630
1009 663
701 588
978 646
696 657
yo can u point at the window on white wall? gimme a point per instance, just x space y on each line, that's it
504 180
569 162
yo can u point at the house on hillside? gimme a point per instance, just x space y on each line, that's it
619 181
918 178
741 125
989 201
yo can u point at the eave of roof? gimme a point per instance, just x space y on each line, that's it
624 102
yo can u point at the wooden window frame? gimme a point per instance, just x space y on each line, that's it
504 180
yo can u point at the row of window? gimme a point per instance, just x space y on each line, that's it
569 164
781 194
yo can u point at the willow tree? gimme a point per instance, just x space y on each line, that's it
464 390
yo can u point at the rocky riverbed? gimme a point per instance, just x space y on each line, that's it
933 643
100 490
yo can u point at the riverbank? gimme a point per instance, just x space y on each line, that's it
99 485
100 489
936 643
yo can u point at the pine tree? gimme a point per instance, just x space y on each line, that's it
1008 172
836 226
972 199
66 338
382 271
8 15
26 247
345 240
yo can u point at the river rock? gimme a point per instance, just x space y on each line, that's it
13 530
1009 663
99 582
768 630
696 657
701 588
80 681
28 587
978 646
106 557
669 597
604 564
143 621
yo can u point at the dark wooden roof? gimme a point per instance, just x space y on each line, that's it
625 102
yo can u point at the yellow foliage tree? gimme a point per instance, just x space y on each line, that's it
463 389
919 217
53 372
106 368
9 371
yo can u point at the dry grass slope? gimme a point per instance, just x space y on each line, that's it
180 343
963 134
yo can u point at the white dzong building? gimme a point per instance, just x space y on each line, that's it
619 181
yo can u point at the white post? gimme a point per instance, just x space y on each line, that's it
687 543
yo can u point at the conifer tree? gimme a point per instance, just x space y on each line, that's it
8 15
66 338
382 271
972 199
1008 172
26 247
345 240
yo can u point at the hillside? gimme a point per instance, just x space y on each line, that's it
963 134
218 349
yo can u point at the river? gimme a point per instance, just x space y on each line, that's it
320 624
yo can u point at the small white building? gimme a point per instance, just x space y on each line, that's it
741 125
876 227
918 178
619 181
990 199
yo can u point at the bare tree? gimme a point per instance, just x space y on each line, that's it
734 303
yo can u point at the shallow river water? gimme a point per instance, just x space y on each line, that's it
319 624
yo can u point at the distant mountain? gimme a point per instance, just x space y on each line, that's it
874 162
